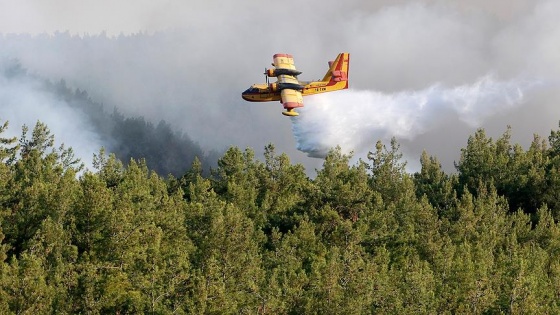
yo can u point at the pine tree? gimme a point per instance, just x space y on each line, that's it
436 185
343 188
43 185
227 264
283 190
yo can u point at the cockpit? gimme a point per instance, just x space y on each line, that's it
253 89
260 93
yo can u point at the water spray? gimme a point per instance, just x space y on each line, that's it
354 119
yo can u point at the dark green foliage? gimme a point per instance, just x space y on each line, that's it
433 183
528 179
260 237
166 151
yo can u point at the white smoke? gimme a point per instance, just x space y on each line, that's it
355 119
171 61
23 101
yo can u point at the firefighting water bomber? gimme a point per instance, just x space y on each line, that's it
289 90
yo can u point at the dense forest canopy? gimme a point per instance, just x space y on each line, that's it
259 236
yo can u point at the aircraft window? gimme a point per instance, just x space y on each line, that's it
252 90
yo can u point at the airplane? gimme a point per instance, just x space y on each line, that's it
289 90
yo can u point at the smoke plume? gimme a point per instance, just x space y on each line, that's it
24 101
173 61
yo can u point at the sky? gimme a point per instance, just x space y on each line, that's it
426 72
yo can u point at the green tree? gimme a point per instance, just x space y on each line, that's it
8 151
291 262
387 171
43 185
24 280
52 246
436 185
283 191
519 175
227 264
552 188
147 256
8 146
403 223
484 161
343 188
236 179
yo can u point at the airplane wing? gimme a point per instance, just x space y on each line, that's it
291 99
283 61
290 94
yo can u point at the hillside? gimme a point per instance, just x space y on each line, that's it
166 150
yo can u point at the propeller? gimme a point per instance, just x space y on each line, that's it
266 76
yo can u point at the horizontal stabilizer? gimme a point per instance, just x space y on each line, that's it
339 75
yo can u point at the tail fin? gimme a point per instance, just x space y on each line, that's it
338 69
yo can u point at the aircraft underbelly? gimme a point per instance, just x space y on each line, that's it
267 97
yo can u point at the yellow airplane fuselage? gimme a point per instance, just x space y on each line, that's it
289 90
263 92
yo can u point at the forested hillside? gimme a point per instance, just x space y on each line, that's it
166 150
258 236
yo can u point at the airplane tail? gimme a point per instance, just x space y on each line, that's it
338 71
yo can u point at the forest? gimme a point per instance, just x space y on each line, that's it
125 136
258 236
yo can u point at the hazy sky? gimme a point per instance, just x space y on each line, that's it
444 67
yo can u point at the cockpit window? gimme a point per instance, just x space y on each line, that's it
255 89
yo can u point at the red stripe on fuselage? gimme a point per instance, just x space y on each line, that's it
282 55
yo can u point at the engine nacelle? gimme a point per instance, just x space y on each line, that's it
270 73
275 87
282 71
